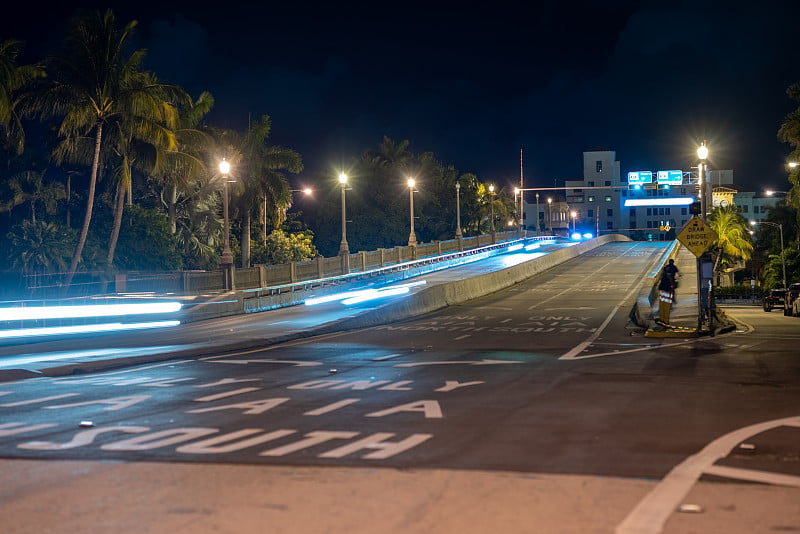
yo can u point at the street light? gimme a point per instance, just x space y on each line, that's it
412 237
702 178
491 208
573 214
770 192
343 248
783 260
521 214
459 235
226 260
538 228
550 214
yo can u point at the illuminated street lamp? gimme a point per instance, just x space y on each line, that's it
343 248
538 228
226 260
771 192
783 261
550 214
307 191
412 237
793 164
702 178
573 214
491 208
521 213
459 235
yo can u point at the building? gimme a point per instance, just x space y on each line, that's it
645 205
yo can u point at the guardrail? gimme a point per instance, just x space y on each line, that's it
202 306
48 286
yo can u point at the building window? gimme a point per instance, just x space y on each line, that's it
610 212
683 211
744 208
633 212
608 198
608 182
649 211
598 165
591 198
666 211
610 225
591 184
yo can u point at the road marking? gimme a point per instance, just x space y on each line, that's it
289 362
481 362
459 338
649 516
387 357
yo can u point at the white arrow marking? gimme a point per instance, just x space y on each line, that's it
481 362
290 362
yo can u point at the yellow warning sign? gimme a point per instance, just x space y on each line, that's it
697 236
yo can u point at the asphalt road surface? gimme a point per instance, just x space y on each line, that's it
539 408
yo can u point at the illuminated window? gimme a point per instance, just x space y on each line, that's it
608 198
598 166
591 199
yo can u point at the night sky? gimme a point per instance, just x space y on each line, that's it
475 84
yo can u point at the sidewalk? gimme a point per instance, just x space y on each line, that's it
684 312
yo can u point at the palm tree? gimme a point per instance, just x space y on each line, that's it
185 169
141 139
789 132
29 187
259 169
14 81
733 237
40 247
96 86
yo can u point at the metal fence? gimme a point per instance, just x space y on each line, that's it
52 285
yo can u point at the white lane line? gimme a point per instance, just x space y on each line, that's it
386 357
649 516
575 352
462 337
765 477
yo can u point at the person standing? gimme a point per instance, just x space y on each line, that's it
671 270
666 296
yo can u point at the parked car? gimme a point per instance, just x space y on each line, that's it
792 293
774 299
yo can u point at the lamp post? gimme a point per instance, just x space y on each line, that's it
783 260
702 179
550 214
412 237
521 214
574 214
491 209
459 235
343 248
538 228
771 192
226 260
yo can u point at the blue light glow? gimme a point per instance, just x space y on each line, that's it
361 295
376 294
675 201
518 246
576 236
82 329
532 246
21 313
588 235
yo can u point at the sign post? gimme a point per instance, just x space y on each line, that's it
697 236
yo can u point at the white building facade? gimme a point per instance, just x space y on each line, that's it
643 204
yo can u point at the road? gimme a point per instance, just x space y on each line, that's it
539 408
